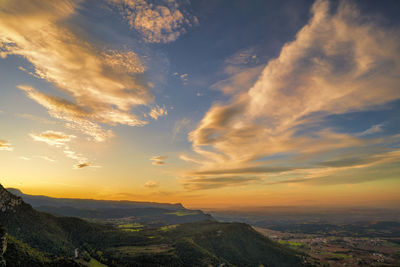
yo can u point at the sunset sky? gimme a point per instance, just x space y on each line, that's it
208 103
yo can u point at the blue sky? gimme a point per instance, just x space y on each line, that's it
186 100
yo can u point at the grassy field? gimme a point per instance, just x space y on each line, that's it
184 213
131 230
291 243
168 227
131 251
131 225
338 255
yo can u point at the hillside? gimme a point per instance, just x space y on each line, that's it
38 200
148 213
42 239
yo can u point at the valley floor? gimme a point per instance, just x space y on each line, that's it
331 250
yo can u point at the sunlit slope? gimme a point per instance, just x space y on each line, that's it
40 236
149 213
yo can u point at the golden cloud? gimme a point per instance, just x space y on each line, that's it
157 112
103 85
52 138
82 165
5 146
334 66
158 160
157 23
151 184
61 140
204 183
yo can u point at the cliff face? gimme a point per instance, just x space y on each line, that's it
8 201
3 246
8 204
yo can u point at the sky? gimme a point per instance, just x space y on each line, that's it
207 103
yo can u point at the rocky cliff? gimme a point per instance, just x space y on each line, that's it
8 201
3 245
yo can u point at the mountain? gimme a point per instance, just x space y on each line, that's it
40 239
115 212
37 201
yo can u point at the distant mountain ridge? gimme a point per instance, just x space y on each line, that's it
40 239
40 200
105 211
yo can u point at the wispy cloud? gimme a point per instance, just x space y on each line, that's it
158 160
348 170
151 184
240 79
184 77
82 165
103 85
77 118
52 138
45 158
203 183
374 129
158 23
333 66
179 126
243 57
5 146
61 140
246 170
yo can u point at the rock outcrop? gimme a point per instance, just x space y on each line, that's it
3 245
8 201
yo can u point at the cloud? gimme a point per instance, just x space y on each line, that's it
204 183
184 77
45 158
362 160
61 140
82 165
5 146
242 70
102 85
374 129
190 159
157 23
52 138
247 170
384 166
38 157
334 66
77 118
243 57
179 126
239 80
151 184
158 160
157 112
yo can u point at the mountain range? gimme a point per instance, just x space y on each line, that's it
36 238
